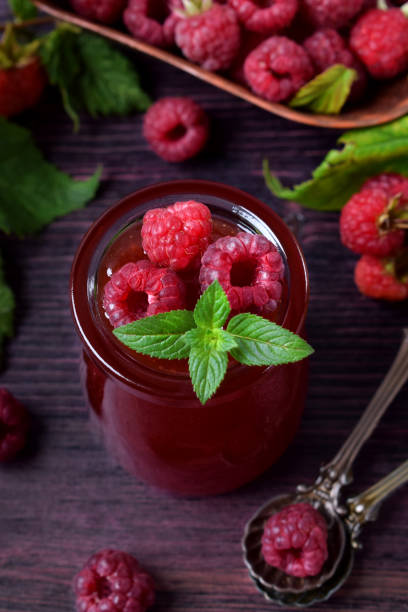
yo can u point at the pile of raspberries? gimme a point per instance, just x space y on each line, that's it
374 224
177 242
272 46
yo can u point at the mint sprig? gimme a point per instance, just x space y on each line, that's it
200 337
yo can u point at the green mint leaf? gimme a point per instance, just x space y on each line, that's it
208 339
91 74
59 55
327 92
161 335
7 305
108 83
207 371
213 308
23 9
261 342
366 152
32 191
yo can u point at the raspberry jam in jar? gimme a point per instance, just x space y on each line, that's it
146 409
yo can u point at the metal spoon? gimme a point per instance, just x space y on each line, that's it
324 495
359 510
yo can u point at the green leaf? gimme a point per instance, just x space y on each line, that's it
207 370
32 191
59 55
366 152
213 308
208 339
161 335
23 9
91 74
261 342
108 83
7 305
327 92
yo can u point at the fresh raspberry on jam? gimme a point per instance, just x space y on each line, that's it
295 540
151 21
113 581
278 68
249 268
105 11
326 48
380 40
14 422
178 235
330 13
377 278
176 128
369 221
268 17
140 290
211 37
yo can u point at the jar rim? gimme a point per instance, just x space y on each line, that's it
103 350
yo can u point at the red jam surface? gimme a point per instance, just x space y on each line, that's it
147 411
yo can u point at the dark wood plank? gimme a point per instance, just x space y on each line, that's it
65 499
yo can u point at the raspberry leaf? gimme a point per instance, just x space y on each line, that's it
207 370
366 153
23 9
261 342
161 335
327 92
213 308
7 305
32 191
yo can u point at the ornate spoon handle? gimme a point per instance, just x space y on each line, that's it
334 475
365 507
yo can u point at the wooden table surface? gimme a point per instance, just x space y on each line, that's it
64 498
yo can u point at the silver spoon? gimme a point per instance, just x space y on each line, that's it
324 495
359 510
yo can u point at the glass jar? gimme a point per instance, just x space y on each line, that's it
149 416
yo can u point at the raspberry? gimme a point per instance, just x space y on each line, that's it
376 278
326 48
176 128
330 13
269 17
139 290
14 423
380 40
150 20
113 581
368 219
277 68
105 11
249 269
175 236
210 38
295 540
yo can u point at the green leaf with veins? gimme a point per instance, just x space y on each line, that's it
327 92
161 335
213 307
250 339
23 9
7 306
366 152
32 191
262 342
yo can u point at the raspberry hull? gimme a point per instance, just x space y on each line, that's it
105 11
269 19
150 20
249 269
376 278
21 87
176 128
112 580
331 13
14 424
295 540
